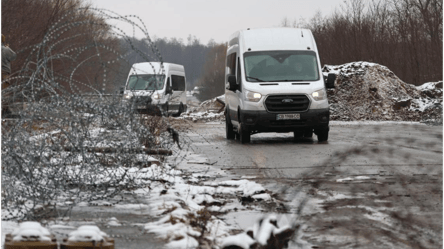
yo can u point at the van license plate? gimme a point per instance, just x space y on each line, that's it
288 116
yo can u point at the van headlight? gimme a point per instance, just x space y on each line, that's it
253 96
127 96
157 96
319 94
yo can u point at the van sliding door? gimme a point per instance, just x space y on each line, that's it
179 95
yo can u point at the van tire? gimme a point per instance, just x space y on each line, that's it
244 134
180 110
229 131
165 109
322 134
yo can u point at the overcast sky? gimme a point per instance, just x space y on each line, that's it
213 19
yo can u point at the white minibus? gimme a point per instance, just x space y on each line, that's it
153 86
274 83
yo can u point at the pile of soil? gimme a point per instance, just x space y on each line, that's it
369 91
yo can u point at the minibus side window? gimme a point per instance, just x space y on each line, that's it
178 83
231 64
168 86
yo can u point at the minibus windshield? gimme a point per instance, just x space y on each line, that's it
146 82
272 66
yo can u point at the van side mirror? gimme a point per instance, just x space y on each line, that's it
168 89
122 89
232 82
330 83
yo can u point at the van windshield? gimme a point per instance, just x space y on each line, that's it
146 82
281 66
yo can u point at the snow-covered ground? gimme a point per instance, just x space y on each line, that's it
189 208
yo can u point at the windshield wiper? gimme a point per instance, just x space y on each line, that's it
284 80
257 79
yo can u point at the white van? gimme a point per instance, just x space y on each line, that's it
274 83
156 84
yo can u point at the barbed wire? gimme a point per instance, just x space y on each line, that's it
69 137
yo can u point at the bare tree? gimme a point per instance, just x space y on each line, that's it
405 36
26 23
212 80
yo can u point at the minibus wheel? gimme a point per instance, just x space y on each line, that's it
244 134
229 127
165 109
322 134
180 109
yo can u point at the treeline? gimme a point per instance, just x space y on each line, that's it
404 35
212 80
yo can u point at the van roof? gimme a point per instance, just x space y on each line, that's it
155 68
273 39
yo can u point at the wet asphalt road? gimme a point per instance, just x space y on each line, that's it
352 149
276 159
376 185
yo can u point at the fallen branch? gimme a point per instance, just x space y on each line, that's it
122 150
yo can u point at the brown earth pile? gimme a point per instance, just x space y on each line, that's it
368 91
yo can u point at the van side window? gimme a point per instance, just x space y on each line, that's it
178 83
168 85
231 64
239 75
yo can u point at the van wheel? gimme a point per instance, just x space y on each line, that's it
229 127
180 110
322 134
165 109
244 134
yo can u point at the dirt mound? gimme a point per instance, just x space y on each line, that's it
369 91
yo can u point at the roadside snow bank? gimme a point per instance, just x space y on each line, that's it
202 116
189 209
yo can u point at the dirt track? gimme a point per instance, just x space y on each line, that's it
369 186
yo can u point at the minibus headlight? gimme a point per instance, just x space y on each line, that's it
253 96
126 96
156 96
319 94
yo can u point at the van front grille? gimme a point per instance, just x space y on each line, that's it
142 100
287 103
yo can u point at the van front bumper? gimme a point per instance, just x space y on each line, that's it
263 121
